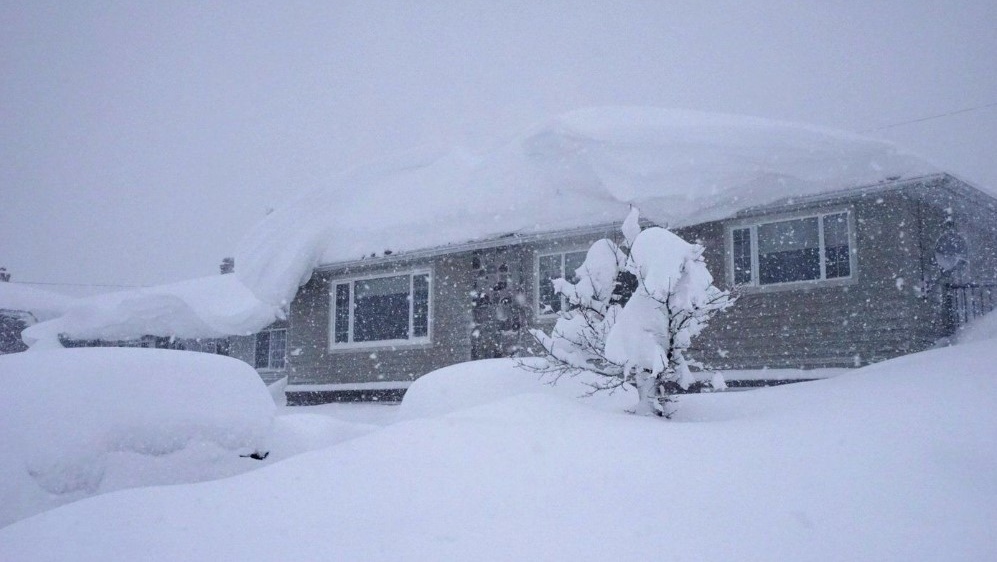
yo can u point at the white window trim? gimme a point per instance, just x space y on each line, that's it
536 275
753 224
410 342
268 368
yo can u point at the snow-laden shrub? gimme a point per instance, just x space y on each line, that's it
633 313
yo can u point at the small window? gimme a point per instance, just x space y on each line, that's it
788 251
742 255
811 248
377 310
271 349
551 267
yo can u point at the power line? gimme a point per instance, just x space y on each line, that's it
939 116
78 284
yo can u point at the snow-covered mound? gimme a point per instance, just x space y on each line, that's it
890 462
43 305
77 422
207 307
582 168
980 329
465 385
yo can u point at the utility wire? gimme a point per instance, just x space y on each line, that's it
78 284
939 116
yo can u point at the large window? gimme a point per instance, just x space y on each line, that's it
378 310
811 248
549 268
271 349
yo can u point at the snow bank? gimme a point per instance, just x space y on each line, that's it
207 307
980 329
78 422
465 385
890 462
43 305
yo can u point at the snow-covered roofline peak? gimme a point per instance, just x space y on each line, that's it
581 168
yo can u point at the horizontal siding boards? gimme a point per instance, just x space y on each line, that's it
879 314
870 319
311 361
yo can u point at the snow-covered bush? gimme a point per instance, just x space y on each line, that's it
633 313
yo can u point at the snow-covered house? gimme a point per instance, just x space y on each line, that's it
843 251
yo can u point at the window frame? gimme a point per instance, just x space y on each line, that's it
536 275
410 341
269 367
752 224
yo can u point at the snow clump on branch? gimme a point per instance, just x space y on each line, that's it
633 314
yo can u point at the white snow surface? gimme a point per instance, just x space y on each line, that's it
889 462
215 306
980 329
43 305
77 422
582 168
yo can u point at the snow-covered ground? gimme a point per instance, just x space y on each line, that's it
890 462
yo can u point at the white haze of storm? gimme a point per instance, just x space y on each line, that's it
141 142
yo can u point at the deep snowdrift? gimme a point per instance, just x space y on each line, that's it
890 462
580 169
78 422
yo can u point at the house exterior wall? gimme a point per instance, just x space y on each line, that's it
312 361
485 300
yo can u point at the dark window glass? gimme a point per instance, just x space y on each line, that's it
573 261
342 328
420 306
788 251
836 251
381 309
262 360
550 269
278 348
742 256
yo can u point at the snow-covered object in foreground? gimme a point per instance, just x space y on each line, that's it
206 307
77 422
980 329
887 462
42 305
641 338
466 385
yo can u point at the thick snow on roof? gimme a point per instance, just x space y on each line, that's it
582 168
207 307
41 304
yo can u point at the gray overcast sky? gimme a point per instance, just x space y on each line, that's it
140 141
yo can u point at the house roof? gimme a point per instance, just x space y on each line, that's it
580 169
42 305
583 168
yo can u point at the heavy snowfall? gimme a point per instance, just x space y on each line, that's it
143 144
